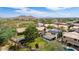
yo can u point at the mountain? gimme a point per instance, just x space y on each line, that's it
23 17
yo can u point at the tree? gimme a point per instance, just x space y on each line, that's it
31 33
49 21
5 34
69 26
50 27
62 28
60 34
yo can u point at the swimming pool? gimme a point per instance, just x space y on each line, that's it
66 48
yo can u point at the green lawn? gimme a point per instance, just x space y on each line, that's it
53 46
24 49
39 41
19 36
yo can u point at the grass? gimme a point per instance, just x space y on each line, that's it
39 41
44 46
24 49
53 46
19 36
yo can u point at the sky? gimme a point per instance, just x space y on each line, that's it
39 11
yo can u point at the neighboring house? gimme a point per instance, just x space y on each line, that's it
54 32
46 25
40 28
40 25
77 30
76 26
71 38
60 24
49 36
20 30
54 25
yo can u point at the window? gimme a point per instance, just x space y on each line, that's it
75 39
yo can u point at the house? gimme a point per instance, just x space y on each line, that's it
40 28
20 30
49 36
77 30
60 24
53 25
76 26
40 25
46 25
71 38
55 32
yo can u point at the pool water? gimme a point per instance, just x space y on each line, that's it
68 49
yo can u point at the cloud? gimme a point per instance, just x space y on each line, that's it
18 7
29 11
37 13
57 8
22 10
